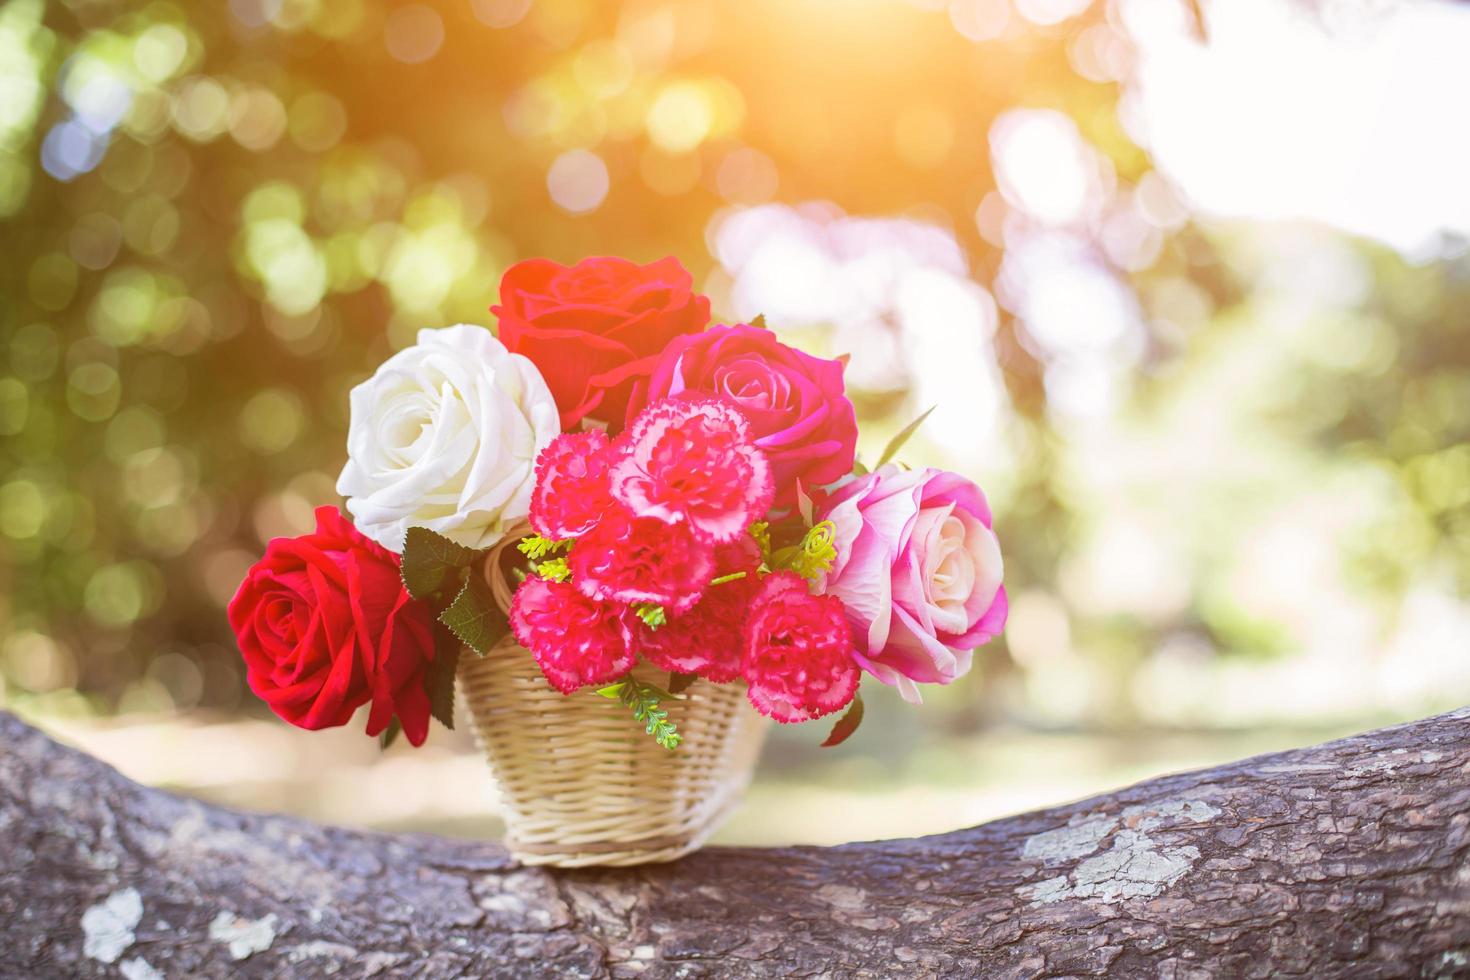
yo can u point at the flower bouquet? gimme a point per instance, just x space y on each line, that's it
629 538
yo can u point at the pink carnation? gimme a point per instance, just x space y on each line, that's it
798 656
796 404
631 560
571 484
708 639
575 640
692 460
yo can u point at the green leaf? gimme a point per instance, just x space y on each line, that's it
652 614
896 443
388 735
642 698
847 724
439 683
430 558
858 469
732 577
535 547
657 692
759 321
679 683
554 569
612 691
475 618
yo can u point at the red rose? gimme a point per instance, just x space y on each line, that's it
795 403
325 626
596 327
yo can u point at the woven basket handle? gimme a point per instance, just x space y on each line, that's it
500 585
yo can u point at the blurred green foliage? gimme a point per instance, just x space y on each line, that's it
219 217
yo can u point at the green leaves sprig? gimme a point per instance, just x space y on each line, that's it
449 578
474 618
440 678
643 699
555 569
545 561
652 614
535 547
761 531
429 559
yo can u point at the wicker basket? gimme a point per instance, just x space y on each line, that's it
582 784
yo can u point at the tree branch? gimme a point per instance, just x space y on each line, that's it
1347 859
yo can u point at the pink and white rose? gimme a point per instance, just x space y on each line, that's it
919 570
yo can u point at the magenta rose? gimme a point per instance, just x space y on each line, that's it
919 572
795 403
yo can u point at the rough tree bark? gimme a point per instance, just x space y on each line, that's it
1348 859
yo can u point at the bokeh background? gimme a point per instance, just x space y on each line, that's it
1187 280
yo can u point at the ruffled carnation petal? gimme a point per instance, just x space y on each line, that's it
571 492
631 560
708 639
798 657
691 460
576 641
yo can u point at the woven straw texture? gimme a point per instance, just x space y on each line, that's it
582 784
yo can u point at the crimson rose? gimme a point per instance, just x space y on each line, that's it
325 626
795 403
593 328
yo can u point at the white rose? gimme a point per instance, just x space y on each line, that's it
445 436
